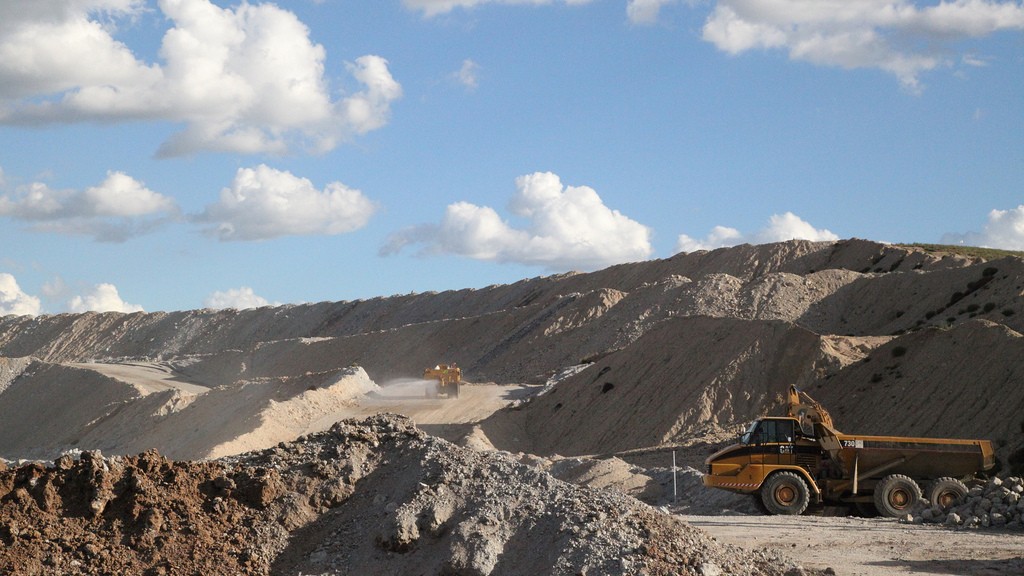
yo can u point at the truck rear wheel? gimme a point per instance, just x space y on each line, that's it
785 493
946 492
896 494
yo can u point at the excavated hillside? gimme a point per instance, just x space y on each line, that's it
895 339
832 288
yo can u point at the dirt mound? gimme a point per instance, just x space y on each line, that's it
52 408
773 281
46 408
960 382
686 376
370 497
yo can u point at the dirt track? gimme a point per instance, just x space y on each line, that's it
148 377
448 418
872 546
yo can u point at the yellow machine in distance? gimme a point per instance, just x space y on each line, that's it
448 380
788 462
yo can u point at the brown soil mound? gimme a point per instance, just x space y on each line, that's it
371 497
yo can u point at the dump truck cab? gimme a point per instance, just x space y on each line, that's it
769 446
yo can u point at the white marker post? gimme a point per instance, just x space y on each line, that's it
674 495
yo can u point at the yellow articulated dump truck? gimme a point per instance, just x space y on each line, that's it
444 380
787 463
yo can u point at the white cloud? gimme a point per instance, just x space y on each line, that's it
435 7
102 298
467 75
369 109
50 46
645 11
264 203
247 79
789 226
237 298
1004 229
780 227
898 36
122 195
718 237
117 209
568 228
14 301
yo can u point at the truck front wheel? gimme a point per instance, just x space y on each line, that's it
896 494
785 493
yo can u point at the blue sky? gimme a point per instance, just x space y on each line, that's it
179 154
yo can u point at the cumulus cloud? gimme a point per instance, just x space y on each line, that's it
780 227
568 227
246 79
50 46
264 203
645 11
435 7
14 301
237 298
902 37
1004 229
117 209
102 298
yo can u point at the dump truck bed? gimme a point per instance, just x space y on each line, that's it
921 457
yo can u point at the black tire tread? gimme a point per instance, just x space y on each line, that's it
803 494
947 481
883 488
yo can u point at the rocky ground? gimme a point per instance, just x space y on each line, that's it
366 497
997 504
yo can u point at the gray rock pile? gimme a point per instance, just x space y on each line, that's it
997 504
376 496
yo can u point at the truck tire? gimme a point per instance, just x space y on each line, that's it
946 492
785 493
895 495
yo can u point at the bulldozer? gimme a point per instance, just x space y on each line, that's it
448 379
791 461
